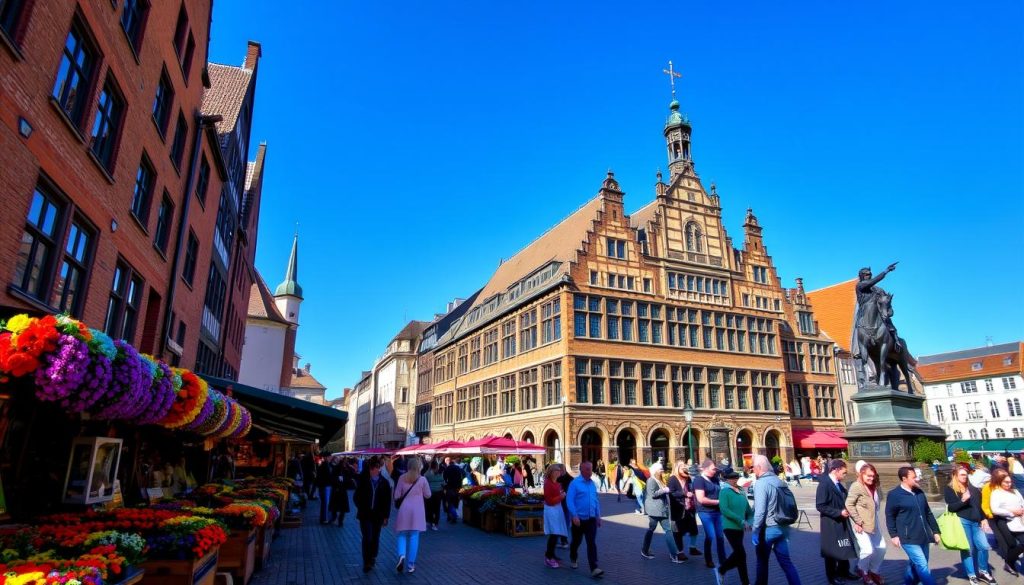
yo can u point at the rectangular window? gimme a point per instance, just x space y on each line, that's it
939 415
133 21
162 102
551 321
474 353
528 330
124 303
71 280
988 386
74 75
953 415
616 248
490 346
164 218
760 274
145 178
39 241
528 389
180 137
203 181
181 32
10 18
806 321
551 383
508 339
106 128
970 387
994 407
1009 383
188 269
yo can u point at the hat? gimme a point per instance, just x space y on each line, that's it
730 475
858 465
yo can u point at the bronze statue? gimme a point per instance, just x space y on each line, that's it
875 340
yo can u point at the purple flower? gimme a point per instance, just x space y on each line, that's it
61 372
163 395
204 413
132 384
95 385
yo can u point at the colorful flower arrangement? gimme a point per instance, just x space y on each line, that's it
84 370
49 573
182 535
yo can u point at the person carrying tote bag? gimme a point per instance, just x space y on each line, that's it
863 503
1008 505
966 521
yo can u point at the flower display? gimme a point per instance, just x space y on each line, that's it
184 534
96 385
162 395
232 421
132 381
219 411
62 372
190 393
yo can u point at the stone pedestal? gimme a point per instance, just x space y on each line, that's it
889 423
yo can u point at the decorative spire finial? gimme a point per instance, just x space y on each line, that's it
672 75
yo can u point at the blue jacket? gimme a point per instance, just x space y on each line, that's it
908 517
582 499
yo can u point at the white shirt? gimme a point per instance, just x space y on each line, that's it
1003 502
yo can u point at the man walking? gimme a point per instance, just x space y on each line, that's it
585 511
836 541
706 487
373 507
768 534
453 476
911 525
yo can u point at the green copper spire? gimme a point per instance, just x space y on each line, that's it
290 285
674 117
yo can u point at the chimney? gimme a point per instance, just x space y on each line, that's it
252 56
306 368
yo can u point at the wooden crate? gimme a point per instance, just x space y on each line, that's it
238 555
185 572
523 520
264 536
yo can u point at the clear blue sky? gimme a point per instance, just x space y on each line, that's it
417 143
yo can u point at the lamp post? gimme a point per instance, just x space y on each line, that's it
565 431
688 415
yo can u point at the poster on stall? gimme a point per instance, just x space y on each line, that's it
118 500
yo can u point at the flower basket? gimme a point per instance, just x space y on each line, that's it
238 555
199 571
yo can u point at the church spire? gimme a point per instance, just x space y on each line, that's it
677 133
290 285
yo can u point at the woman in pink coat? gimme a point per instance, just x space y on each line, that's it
411 493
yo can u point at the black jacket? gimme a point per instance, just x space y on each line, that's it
453 477
969 510
324 473
908 517
372 504
836 539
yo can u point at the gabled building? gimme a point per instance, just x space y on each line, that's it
597 337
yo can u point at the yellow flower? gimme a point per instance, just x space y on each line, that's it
19 323
26 579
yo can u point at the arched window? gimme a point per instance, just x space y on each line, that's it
972 434
1000 434
984 433
957 435
694 238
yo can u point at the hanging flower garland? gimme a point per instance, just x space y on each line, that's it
84 370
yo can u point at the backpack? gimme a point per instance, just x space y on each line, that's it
786 512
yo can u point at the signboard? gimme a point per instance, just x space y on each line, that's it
872 449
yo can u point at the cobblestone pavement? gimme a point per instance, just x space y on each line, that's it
457 554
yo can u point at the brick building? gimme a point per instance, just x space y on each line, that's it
594 338
109 169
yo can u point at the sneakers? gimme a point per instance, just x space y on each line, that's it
678 560
646 555
401 564
597 572
573 563
551 563
986 577
412 568
434 527
638 512
694 552
682 557
973 580
718 577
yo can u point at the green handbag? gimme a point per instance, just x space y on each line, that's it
952 532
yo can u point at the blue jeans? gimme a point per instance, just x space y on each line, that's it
325 495
407 545
711 520
975 559
917 565
666 527
775 538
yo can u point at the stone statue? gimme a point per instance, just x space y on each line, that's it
875 343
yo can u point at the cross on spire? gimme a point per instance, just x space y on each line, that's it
672 75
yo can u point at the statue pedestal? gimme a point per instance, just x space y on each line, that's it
888 423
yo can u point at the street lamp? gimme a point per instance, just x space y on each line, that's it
688 416
565 431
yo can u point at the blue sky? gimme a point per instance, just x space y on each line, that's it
417 143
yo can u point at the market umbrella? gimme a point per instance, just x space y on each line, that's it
496 446
430 448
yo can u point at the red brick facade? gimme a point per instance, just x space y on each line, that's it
58 155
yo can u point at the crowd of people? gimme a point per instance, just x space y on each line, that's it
413 494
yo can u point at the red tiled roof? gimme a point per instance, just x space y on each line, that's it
303 379
997 364
834 307
261 302
228 88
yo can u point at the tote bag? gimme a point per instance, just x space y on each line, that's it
952 532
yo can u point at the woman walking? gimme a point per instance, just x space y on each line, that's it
684 508
554 517
658 513
602 475
436 482
862 503
411 493
1008 506
736 516
964 500
341 477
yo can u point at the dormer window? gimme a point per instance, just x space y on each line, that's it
616 248
694 238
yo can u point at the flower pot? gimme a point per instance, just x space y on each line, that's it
185 572
238 555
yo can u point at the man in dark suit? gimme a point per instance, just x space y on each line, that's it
836 541
373 507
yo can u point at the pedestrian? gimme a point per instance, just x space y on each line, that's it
862 503
837 544
1008 506
768 534
706 489
554 517
585 511
736 517
436 482
638 482
793 472
964 500
684 507
602 475
372 499
341 476
617 479
324 479
1003 536
658 513
308 467
528 473
565 480
911 525
453 477
411 493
